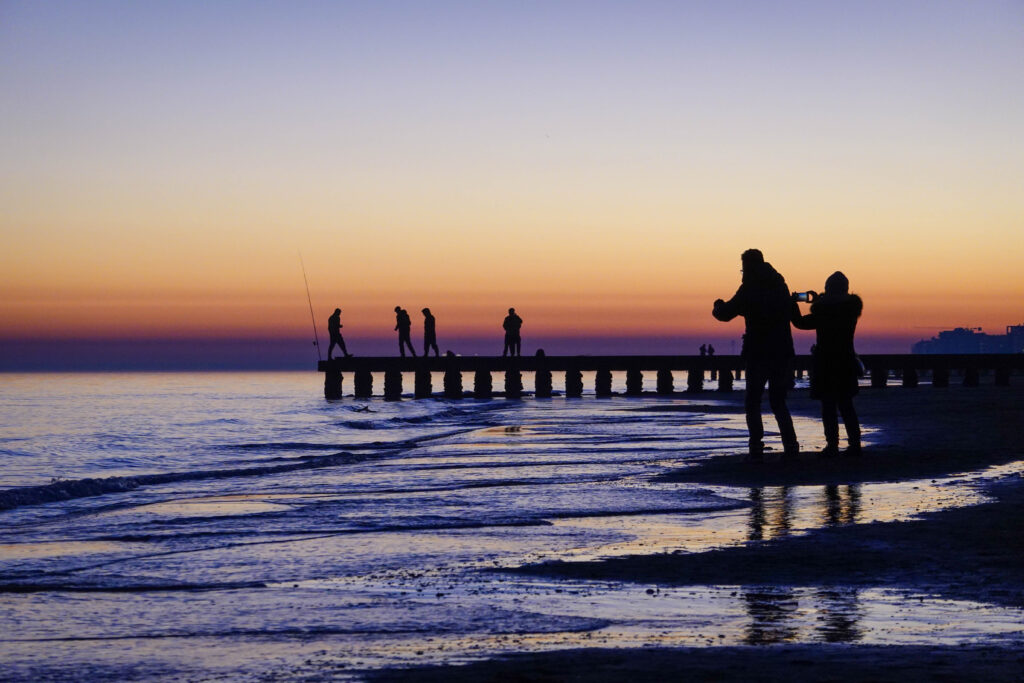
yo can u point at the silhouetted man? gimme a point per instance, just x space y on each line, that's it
703 350
764 302
404 326
513 342
429 333
711 350
334 330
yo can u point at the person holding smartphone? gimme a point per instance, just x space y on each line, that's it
834 368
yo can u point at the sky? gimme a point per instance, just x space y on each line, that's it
599 166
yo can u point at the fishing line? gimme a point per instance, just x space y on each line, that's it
316 337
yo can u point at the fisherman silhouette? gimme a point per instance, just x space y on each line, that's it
403 325
834 368
764 302
429 333
711 350
334 330
513 342
703 350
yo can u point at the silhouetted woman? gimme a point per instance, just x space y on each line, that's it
429 333
835 365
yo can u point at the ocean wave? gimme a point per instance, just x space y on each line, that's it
64 587
84 488
282 446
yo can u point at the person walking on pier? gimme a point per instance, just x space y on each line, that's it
764 302
429 333
334 331
834 364
404 327
513 342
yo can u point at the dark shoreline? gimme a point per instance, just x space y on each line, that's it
973 553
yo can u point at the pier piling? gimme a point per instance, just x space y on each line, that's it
907 369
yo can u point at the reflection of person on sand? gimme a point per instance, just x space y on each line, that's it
763 301
512 325
771 610
839 509
403 323
835 367
334 331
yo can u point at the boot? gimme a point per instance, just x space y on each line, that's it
831 450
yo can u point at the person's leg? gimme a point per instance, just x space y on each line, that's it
508 345
330 348
341 345
756 379
519 346
401 345
852 424
778 384
831 425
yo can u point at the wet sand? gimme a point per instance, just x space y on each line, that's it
973 553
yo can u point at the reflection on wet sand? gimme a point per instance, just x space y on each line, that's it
771 610
841 613
771 513
842 505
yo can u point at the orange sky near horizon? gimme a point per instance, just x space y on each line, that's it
476 164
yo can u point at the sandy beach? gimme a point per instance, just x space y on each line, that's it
971 553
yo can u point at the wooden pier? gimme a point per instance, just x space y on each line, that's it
905 369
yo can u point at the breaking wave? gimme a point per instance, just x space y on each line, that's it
84 488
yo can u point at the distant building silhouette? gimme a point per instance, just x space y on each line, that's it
973 340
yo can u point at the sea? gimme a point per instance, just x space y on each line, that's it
237 526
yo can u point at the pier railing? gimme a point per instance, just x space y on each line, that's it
907 369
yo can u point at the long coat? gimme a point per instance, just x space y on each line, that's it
835 367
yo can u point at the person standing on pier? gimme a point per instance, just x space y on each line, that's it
764 302
429 333
703 350
334 331
512 325
404 327
834 368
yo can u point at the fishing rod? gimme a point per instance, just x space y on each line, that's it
316 337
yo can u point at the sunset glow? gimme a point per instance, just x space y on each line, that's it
599 167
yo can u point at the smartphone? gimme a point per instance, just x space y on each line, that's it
803 296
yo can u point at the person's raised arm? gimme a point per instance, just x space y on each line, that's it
799 321
727 310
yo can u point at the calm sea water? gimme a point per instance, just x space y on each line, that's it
237 525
